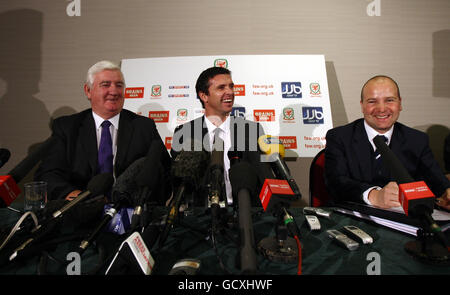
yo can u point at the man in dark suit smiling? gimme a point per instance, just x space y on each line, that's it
352 171
105 138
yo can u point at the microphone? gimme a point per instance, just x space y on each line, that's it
4 156
109 214
216 186
244 180
97 185
9 190
412 194
147 180
274 150
418 202
187 168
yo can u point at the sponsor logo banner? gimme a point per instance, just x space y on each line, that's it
312 115
239 90
291 90
134 92
159 116
264 115
289 142
156 91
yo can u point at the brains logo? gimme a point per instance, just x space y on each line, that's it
291 89
221 62
134 92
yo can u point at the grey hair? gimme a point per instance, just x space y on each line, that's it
98 67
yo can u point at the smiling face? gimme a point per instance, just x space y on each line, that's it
381 104
220 97
106 93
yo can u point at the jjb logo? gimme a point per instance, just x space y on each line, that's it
312 115
291 89
221 62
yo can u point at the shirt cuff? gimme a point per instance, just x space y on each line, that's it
366 194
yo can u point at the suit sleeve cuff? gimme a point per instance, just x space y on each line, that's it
366 194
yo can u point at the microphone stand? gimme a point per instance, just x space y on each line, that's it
431 244
281 247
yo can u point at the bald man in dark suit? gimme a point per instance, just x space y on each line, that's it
350 166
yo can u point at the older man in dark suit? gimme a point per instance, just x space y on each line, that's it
105 138
352 168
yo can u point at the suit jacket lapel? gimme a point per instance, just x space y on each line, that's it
397 141
363 151
123 140
88 140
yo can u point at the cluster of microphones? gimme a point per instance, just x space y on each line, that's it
137 186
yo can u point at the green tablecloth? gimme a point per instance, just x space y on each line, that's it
190 239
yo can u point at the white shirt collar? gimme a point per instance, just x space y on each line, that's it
99 120
225 126
371 133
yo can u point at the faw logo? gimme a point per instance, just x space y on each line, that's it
156 91
159 116
182 114
314 89
288 114
135 92
221 62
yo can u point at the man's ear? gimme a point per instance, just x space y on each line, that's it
87 91
203 96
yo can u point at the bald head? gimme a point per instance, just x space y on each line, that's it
379 79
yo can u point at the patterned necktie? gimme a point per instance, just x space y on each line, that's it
105 155
378 161
218 142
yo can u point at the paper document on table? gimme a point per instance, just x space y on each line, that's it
438 215
406 228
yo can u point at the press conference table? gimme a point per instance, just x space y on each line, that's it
320 255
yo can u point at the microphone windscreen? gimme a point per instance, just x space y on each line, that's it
190 166
399 173
126 182
100 184
243 176
4 156
271 145
149 176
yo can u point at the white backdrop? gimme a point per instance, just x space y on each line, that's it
287 94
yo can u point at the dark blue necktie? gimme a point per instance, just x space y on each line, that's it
105 155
